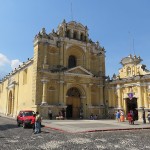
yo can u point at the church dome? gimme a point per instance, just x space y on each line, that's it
131 60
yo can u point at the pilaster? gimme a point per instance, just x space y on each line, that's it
61 94
140 96
101 95
119 96
145 98
89 93
109 98
44 96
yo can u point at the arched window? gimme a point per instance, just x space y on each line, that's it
128 71
72 61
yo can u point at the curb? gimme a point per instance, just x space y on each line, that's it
99 130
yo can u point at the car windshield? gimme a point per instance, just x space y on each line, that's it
28 113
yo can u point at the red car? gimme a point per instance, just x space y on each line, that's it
24 118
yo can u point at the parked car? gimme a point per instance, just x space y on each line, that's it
24 118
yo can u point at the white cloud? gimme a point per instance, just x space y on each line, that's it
15 63
4 60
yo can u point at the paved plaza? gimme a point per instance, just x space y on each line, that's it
75 126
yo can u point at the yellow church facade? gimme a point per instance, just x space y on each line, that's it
130 89
67 71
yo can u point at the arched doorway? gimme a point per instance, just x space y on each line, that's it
10 103
73 103
132 105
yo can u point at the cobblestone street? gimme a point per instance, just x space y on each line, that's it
17 138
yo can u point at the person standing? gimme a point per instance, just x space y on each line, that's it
144 119
37 123
118 116
132 115
63 113
121 116
33 122
50 114
130 119
148 116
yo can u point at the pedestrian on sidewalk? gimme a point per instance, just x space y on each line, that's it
118 116
63 113
133 116
144 119
148 116
50 114
121 116
33 122
130 119
37 123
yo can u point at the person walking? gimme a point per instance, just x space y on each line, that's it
37 123
50 114
121 116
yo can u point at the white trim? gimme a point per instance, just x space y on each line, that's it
78 67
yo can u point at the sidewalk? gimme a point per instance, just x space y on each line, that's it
79 126
75 126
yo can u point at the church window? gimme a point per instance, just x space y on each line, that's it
72 61
128 71
25 76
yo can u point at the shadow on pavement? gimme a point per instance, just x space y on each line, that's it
7 127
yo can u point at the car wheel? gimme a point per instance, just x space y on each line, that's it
23 125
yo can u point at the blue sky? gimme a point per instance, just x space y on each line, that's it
114 23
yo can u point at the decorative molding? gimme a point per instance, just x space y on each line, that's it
44 80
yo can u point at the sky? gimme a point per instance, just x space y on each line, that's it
122 27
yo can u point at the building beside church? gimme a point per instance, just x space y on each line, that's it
67 71
130 89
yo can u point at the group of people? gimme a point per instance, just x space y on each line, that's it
36 123
61 115
120 116
93 117
131 116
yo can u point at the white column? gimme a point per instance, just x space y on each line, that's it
44 96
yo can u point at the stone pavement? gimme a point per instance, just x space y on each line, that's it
75 126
